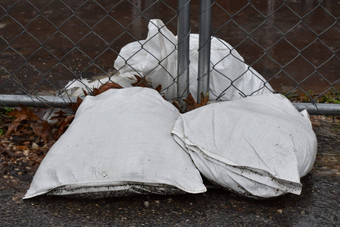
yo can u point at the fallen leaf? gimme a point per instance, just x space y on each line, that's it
192 104
64 125
42 129
105 87
22 147
60 114
12 127
141 82
177 105
85 93
12 154
35 158
75 106
159 88
19 125
23 113
204 99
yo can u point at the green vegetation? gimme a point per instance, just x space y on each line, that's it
332 96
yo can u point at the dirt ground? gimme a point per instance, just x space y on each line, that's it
318 205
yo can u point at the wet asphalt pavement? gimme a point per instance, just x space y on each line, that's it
318 205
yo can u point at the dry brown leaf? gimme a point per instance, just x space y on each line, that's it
158 88
23 113
12 127
192 104
22 147
42 130
28 128
141 82
60 117
85 93
74 106
35 158
177 105
12 154
105 87
60 114
67 121
204 99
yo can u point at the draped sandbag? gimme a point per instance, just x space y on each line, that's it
258 146
118 144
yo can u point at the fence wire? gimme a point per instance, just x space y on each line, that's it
46 44
292 44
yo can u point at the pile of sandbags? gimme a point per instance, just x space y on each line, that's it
132 140
120 142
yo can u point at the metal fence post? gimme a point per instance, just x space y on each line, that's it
183 61
204 48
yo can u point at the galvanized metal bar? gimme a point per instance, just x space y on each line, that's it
319 108
204 48
183 42
62 102
36 101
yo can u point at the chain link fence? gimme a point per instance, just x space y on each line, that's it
45 44
293 44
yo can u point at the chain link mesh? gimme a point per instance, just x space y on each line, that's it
45 44
291 43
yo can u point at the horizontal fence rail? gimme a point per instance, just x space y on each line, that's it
60 102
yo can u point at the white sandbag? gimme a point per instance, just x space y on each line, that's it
119 143
230 77
259 146
156 59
